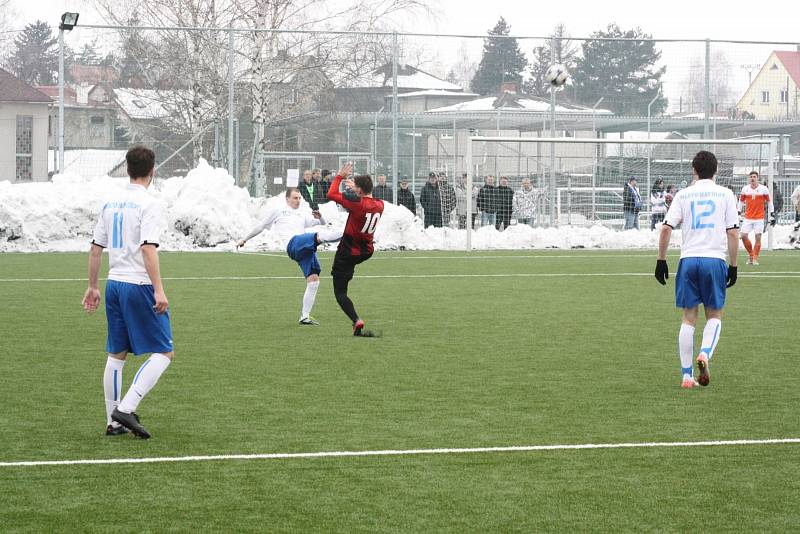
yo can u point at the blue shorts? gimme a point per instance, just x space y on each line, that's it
303 249
701 280
133 324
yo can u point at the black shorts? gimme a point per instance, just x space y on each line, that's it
344 265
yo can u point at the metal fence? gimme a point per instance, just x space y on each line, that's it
261 102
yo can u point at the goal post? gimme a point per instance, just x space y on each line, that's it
582 179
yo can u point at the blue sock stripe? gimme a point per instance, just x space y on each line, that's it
116 391
687 370
136 378
708 350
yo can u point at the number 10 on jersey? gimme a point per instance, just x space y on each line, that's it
371 221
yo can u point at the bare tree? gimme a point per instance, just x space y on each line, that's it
695 83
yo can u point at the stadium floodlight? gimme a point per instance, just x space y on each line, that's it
68 21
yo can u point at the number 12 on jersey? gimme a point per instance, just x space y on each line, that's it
697 216
370 223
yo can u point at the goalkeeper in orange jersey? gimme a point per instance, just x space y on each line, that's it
753 200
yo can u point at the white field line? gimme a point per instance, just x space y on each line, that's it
776 274
407 452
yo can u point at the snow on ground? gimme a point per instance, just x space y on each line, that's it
206 211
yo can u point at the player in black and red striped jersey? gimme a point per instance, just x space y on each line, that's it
356 244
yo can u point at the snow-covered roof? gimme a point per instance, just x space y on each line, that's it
408 78
88 162
490 103
436 92
143 103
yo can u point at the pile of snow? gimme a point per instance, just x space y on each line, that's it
206 211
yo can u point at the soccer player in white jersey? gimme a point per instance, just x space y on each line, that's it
137 309
709 226
754 198
289 223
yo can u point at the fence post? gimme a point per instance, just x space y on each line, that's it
707 98
231 164
395 59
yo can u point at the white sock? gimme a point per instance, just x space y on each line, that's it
326 235
112 385
145 379
309 297
686 348
711 337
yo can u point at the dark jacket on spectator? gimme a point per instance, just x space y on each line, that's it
487 199
629 200
431 201
314 199
406 198
504 196
383 192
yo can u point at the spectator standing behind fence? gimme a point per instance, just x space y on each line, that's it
631 204
505 204
325 182
796 203
525 203
461 201
383 191
658 203
310 190
487 203
405 197
431 201
316 178
672 190
448 196
777 198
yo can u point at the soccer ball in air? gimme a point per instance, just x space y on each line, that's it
557 75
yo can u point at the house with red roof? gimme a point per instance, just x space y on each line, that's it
774 93
24 128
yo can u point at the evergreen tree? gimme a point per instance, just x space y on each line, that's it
566 51
35 56
89 54
502 61
624 72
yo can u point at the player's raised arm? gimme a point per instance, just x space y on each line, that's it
260 227
337 196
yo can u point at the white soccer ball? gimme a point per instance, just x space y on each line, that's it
557 75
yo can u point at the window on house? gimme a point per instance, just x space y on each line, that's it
24 148
765 97
98 119
784 96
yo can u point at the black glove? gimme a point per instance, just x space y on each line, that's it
662 272
772 219
732 273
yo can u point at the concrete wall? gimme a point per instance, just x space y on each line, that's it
8 139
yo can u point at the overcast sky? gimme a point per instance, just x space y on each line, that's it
779 20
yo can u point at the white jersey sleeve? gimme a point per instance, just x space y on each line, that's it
272 214
152 223
100 235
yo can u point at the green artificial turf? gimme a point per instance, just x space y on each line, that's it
488 349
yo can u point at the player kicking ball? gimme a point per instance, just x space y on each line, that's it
290 223
356 245
754 198
709 226
136 306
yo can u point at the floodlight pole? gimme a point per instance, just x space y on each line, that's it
707 102
60 100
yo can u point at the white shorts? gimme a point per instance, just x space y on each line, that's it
751 225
